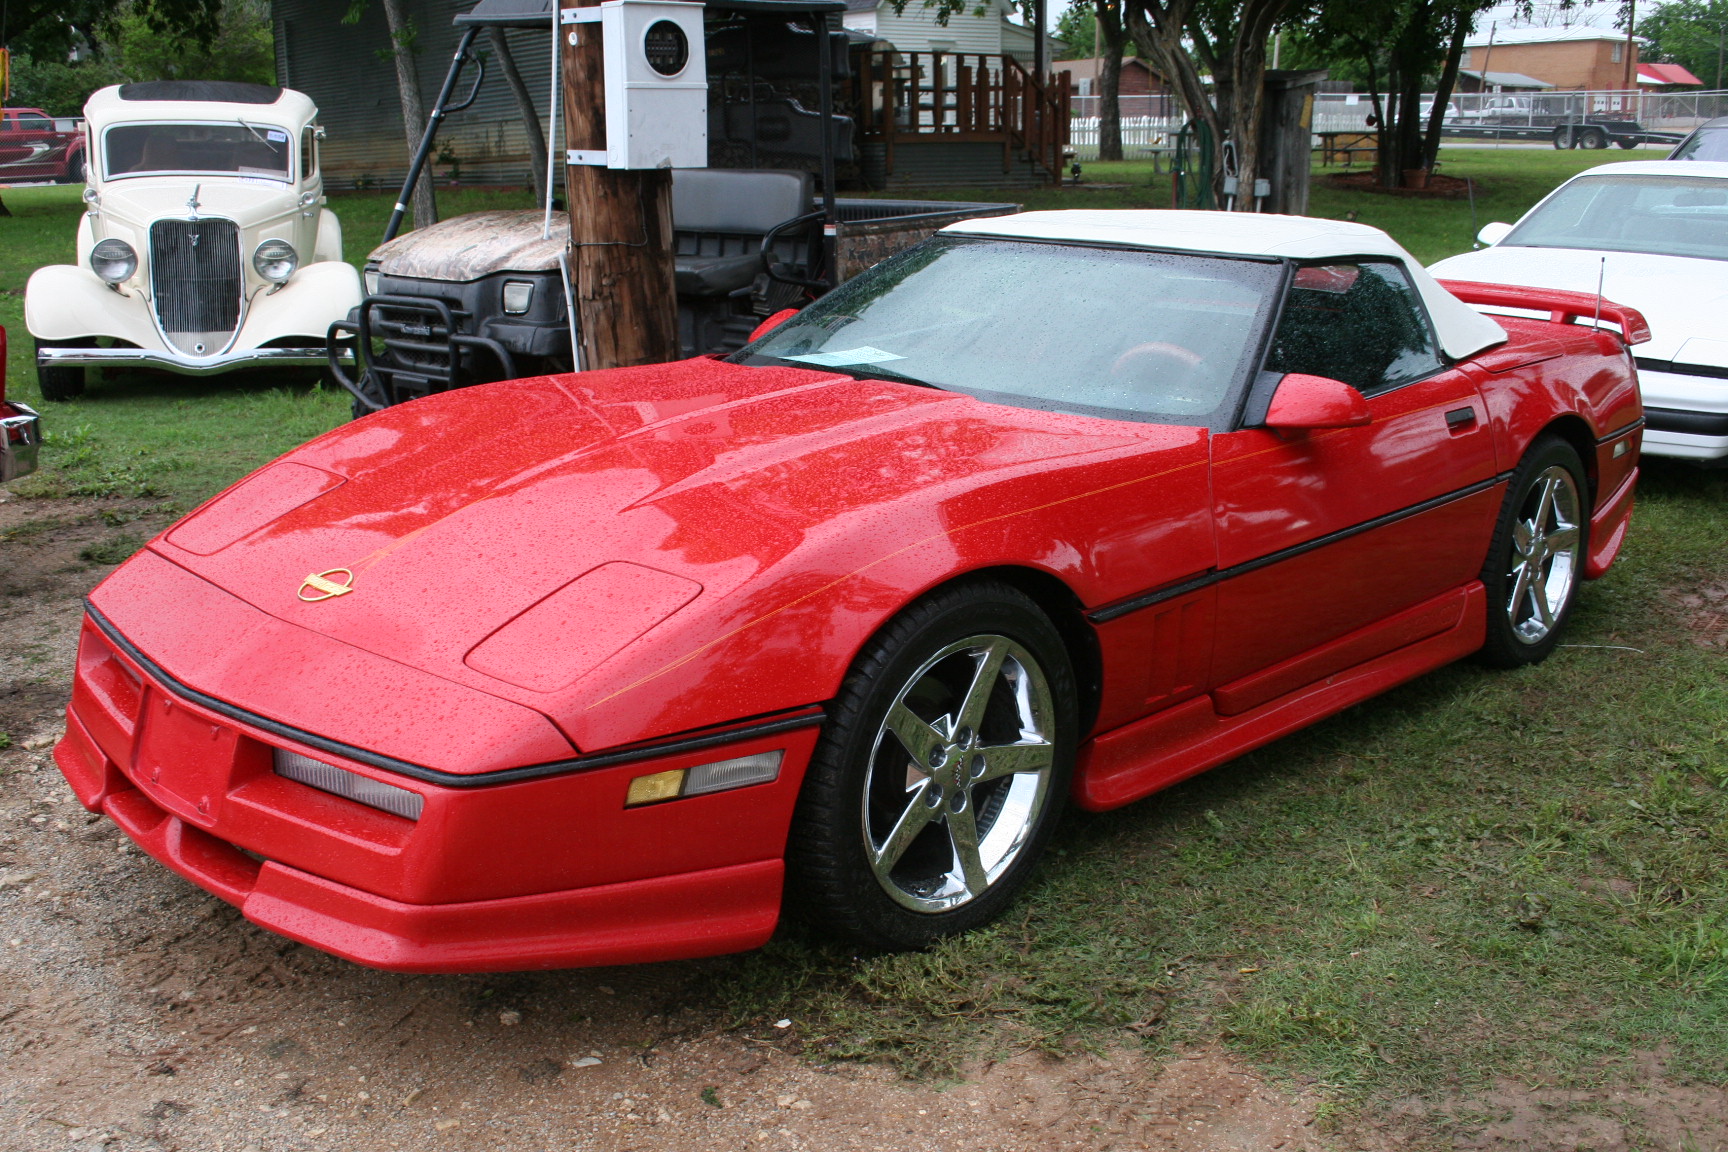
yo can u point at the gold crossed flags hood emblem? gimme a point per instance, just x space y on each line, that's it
327 585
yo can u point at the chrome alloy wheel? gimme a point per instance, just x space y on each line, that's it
959 773
1547 547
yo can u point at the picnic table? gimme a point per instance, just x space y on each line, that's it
1348 145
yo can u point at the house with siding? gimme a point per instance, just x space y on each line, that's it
915 28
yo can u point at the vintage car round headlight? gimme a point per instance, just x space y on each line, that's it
113 260
275 260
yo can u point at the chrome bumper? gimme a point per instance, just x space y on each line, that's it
20 436
307 357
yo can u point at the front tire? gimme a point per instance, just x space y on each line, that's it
941 773
1536 560
63 383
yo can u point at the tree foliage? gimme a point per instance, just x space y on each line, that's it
1691 33
137 40
1401 50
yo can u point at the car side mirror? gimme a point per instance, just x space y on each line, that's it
1302 402
772 323
1492 234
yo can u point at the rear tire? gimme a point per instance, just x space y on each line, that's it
941 772
1536 559
1593 138
62 383
1627 144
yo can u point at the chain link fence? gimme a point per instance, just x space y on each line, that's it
1150 123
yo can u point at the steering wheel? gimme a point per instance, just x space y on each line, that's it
1162 371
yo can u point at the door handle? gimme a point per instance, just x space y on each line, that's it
1460 418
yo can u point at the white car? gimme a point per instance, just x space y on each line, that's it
206 245
1652 235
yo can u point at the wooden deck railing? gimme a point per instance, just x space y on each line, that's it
963 96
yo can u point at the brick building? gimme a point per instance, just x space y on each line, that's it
1588 59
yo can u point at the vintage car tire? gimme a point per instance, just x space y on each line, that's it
59 383
1536 560
839 872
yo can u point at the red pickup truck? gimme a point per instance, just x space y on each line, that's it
36 146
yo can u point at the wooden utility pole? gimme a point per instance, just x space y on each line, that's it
620 228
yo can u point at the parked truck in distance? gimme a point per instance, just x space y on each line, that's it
36 146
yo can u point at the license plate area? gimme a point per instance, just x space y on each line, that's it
184 761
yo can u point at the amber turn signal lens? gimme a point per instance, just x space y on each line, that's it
720 776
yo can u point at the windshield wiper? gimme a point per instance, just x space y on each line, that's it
877 372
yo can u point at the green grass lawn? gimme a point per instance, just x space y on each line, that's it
1480 875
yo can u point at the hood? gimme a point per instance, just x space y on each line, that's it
452 516
1681 297
248 201
475 245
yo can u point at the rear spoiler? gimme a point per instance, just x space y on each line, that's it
1562 307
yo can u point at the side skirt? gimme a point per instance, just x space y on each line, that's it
1138 759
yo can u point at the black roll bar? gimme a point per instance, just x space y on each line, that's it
440 109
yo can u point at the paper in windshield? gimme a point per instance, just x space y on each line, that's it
847 358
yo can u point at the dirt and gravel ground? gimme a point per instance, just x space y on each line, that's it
138 1012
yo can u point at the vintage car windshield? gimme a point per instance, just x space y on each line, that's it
1663 215
234 149
1121 333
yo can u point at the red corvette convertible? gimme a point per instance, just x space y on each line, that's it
600 668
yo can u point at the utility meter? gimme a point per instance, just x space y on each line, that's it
656 84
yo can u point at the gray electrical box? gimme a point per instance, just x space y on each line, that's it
656 83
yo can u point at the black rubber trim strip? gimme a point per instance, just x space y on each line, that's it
1217 576
1695 423
1645 364
804 718
1619 432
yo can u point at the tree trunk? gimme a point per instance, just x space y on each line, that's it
525 105
620 229
413 110
1443 91
1113 40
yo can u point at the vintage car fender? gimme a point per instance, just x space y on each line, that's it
67 302
329 243
302 307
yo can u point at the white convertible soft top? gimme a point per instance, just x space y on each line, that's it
1462 330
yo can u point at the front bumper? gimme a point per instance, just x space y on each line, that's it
547 872
1685 414
20 439
48 357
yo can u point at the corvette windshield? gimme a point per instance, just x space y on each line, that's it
233 149
1663 215
1146 335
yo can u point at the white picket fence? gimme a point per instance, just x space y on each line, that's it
1141 136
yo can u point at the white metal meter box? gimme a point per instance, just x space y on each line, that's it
656 82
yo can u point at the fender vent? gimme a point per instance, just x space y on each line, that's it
195 279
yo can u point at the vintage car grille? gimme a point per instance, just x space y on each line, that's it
195 276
